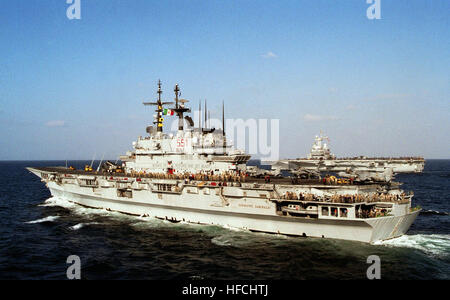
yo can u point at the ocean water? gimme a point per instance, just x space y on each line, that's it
38 233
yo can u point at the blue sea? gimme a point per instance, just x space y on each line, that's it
38 233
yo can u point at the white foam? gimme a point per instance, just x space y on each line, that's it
56 201
235 229
46 219
78 226
221 241
79 209
148 222
431 244
81 225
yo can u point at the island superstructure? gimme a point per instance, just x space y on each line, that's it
196 176
321 159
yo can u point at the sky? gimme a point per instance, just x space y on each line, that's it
73 88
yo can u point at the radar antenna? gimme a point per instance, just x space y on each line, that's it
180 109
224 143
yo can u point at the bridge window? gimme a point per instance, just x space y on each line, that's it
325 211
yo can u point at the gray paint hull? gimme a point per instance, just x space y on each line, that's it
362 230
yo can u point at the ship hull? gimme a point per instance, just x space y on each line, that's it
341 165
149 204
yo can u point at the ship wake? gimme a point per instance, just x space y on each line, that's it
434 212
79 209
43 220
81 225
437 245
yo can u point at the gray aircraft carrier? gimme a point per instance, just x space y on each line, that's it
196 176
320 159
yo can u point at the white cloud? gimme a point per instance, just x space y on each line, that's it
351 107
269 54
315 118
55 123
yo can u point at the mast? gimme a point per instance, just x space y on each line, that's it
176 90
206 111
200 115
159 110
224 145
179 108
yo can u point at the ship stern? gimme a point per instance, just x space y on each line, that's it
385 228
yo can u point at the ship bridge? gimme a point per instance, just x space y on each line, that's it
189 150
